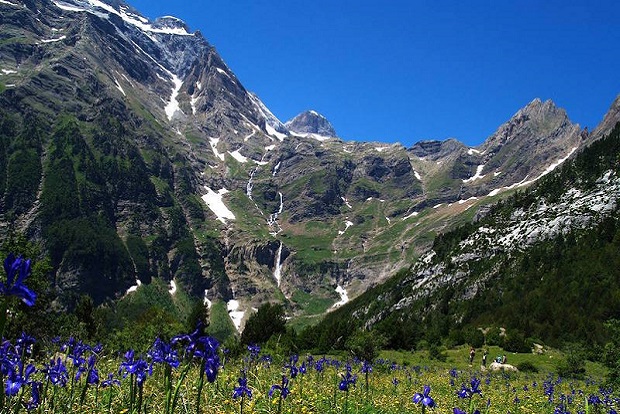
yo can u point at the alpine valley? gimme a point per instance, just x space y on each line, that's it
136 158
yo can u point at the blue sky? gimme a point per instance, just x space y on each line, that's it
404 71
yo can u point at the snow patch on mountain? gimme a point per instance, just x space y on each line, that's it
468 200
274 133
415 213
213 142
526 182
318 137
173 105
223 72
162 25
58 39
237 155
347 224
10 4
557 163
214 201
134 287
206 300
478 175
119 87
344 297
235 314
273 126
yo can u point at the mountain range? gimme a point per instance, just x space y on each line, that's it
133 154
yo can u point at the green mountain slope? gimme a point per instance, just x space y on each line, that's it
543 264
131 152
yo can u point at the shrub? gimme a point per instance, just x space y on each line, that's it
269 320
436 353
515 342
474 337
527 366
365 345
573 365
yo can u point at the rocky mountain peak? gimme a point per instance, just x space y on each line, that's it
612 117
534 139
170 23
311 122
539 110
536 120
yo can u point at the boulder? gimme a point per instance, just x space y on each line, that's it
496 366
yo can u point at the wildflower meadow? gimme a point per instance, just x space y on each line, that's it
192 373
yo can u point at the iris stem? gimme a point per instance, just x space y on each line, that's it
3 309
200 384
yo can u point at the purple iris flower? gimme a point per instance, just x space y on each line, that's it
162 353
347 380
283 388
318 365
17 378
24 344
366 367
459 411
465 392
424 398
202 347
57 372
197 343
92 376
293 370
242 389
254 350
17 270
212 365
137 367
110 381
35 396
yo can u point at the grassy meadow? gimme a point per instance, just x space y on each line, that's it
194 374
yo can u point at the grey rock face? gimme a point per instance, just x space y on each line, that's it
612 117
436 150
311 122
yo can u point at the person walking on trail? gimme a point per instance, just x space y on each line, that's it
484 357
472 354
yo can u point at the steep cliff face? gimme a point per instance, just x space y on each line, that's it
132 152
535 138
611 118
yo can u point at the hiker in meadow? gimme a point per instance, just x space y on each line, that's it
472 354
484 357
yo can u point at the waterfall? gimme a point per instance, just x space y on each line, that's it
273 218
277 272
250 184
